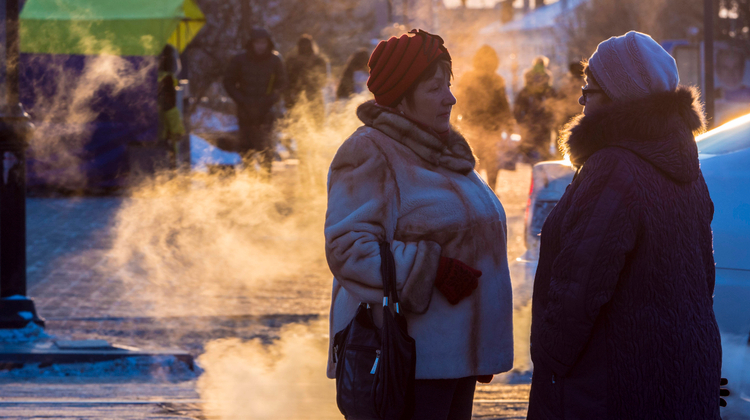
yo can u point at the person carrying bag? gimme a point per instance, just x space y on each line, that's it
375 366
403 196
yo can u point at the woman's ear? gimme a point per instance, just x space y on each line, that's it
401 107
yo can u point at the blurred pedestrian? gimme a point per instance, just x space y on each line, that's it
255 80
534 111
307 71
171 126
485 113
407 178
354 77
623 324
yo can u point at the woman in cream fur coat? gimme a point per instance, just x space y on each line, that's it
407 178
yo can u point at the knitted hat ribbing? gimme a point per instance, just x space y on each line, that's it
633 66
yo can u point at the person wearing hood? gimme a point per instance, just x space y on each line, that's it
406 178
533 111
255 80
623 325
485 113
307 70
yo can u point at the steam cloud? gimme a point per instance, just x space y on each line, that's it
250 380
188 237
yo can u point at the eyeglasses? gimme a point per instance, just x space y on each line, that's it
586 92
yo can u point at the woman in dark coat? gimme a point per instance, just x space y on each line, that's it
622 321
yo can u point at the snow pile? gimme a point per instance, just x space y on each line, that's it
206 119
203 154
32 333
167 368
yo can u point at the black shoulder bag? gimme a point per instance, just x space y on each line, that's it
375 367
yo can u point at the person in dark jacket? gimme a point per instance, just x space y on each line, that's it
485 112
354 77
532 109
255 80
306 71
622 316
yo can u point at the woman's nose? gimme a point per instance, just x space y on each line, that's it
581 100
449 99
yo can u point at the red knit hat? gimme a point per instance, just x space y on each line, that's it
397 63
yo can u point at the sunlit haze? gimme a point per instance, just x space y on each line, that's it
479 3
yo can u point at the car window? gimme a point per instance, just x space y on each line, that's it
728 138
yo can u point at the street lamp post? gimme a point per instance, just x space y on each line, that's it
16 310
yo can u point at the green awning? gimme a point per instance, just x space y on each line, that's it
121 27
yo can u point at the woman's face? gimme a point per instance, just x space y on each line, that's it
593 97
433 102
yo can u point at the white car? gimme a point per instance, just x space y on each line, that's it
724 154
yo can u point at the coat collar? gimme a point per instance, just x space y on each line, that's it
453 153
659 129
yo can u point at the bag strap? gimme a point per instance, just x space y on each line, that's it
388 273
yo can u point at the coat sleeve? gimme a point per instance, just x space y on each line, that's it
598 232
363 200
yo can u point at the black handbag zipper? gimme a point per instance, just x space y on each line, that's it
375 365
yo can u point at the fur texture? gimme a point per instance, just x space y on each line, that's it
394 181
455 154
665 121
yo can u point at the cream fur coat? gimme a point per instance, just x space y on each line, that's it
392 180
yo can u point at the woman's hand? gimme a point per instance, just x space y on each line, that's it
456 280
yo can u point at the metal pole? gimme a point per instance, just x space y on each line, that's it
708 60
16 310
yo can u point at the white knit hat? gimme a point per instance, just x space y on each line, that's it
633 66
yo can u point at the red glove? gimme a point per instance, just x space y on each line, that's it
456 280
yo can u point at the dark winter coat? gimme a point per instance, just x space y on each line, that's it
255 83
622 317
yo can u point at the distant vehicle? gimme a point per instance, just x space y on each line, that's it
724 155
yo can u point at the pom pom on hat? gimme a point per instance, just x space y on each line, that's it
397 63
633 66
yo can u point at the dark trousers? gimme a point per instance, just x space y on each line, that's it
256 142
444 399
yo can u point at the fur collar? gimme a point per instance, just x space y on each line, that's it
454 153
659 129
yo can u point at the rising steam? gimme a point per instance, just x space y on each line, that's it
250 380
189 237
